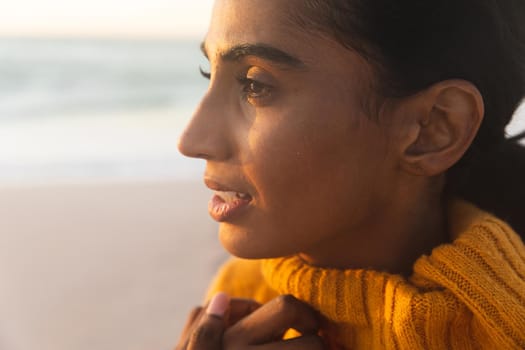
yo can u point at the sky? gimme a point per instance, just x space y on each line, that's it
105 18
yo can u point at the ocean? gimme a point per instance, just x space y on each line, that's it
86 109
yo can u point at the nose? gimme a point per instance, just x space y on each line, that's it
207 135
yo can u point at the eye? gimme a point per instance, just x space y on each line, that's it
205 74
255 90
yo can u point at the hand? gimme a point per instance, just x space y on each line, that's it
205 325
259 328
264 328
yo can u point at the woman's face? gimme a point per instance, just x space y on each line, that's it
298 164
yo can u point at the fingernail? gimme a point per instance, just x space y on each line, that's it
218 304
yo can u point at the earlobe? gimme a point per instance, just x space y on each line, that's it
449 116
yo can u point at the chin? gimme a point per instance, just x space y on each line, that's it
249 244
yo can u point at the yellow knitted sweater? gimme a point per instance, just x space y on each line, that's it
469 294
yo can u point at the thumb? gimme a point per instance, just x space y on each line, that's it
208 333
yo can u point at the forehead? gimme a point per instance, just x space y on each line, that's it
270 24
252 21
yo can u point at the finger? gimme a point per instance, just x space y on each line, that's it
307 342
209 332
188 328
272 320
194 314
240 308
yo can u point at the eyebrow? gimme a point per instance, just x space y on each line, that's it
262 51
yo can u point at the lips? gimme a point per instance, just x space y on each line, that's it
226 203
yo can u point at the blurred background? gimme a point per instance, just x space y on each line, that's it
105 241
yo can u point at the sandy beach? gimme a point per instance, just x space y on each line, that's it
103 266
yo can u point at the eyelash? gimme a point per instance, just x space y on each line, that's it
252 89
206 75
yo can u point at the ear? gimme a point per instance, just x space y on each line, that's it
443 121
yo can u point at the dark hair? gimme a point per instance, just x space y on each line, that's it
413 44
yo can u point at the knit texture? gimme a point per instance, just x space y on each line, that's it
469 294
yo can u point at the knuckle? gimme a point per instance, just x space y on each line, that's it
286 303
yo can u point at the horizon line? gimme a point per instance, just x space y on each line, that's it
93 36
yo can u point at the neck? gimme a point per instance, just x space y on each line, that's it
390 240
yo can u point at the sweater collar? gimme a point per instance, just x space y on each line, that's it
358 296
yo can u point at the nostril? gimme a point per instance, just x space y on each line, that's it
189 148
203 156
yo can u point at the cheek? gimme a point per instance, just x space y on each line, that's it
302 154
311 178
